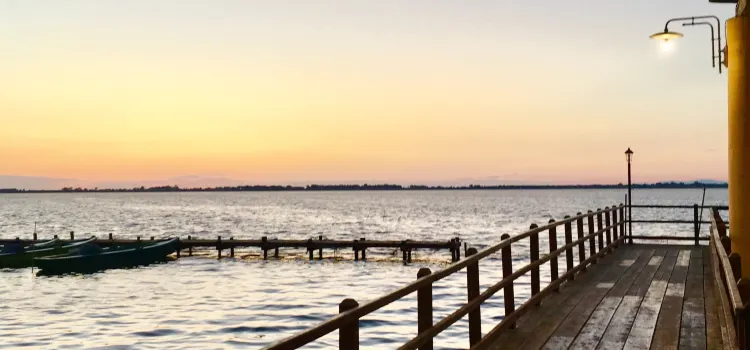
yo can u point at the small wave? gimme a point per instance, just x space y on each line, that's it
157 332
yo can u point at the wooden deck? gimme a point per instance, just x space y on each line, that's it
639 297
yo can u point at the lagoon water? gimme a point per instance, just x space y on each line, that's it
203 303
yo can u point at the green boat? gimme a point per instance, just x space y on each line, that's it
25 257
91 258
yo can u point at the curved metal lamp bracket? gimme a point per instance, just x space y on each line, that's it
716 49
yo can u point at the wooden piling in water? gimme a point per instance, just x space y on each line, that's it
72 235
110 236
310 248
190 248
178 247
264 241
364 249
320 250
231 248
218 246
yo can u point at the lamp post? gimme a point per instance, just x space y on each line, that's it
716 50
629 159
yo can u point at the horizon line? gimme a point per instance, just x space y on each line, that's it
372 187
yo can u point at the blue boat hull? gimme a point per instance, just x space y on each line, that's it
115 258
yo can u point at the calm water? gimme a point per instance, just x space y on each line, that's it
203 303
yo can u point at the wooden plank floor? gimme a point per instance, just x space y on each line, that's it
639 297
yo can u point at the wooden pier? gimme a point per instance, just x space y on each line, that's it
264 244
622 294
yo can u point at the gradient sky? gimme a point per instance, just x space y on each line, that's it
279 91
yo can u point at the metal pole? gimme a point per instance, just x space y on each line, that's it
630 206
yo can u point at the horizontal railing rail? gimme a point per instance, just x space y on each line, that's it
696 221
607 234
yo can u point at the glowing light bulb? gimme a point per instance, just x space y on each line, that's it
667 45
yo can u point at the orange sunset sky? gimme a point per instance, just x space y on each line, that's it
336 91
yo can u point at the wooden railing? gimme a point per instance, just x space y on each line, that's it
732 293
607 234
696 221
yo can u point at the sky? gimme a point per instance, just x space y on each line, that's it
404 91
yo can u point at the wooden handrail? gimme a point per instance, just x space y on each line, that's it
464 310
725 265
353 315
667 206
724 279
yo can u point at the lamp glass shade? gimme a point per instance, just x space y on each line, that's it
629 155
666 36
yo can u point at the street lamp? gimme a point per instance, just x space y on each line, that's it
629 159
716 50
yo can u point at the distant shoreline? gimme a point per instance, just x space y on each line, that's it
366 187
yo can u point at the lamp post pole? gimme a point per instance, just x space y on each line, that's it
629 158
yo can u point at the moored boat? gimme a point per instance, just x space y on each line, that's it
90 258
25 257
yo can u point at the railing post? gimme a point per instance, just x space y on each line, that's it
735 262
741 322
472 283
615 225
534 256
727 244
508 293
349 333
623 232
569 251
554 272
599 228
608 222
424 308
696 223
581 246
592 242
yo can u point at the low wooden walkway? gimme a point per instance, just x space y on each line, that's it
639 297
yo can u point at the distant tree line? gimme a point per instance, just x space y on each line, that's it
368 187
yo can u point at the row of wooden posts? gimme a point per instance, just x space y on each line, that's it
359 246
